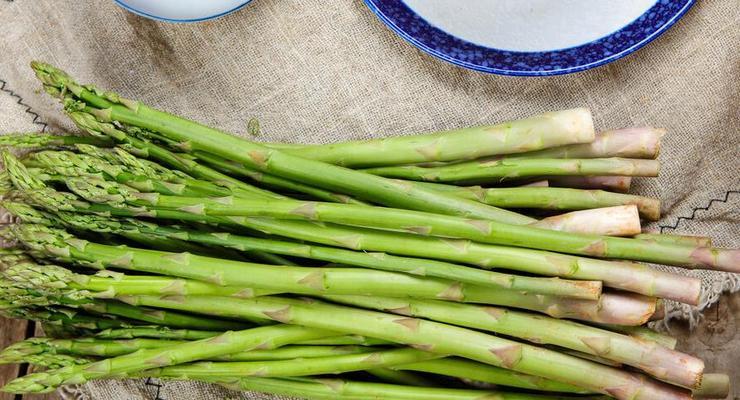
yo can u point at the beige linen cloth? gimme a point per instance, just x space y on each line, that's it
317 71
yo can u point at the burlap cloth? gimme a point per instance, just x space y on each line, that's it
315 71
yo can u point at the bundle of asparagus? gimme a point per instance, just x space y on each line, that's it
155 246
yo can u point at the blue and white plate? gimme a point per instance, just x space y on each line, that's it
529 37
182 10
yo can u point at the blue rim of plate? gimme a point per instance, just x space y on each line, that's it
163 19
432 40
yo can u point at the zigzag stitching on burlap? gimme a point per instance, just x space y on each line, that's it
150 383
700 208
36 117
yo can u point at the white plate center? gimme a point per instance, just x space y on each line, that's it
530 25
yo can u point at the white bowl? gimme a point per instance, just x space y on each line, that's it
182 10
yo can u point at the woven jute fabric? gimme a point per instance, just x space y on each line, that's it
318 72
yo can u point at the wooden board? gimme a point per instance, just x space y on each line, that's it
716 340
11 331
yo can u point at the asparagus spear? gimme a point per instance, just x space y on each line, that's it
693 241
337 389
713 386
228 342
71 164
273 181
25 140
553 198
158 332
506 169
424 223
626 276
554 286
290 368
431 336
620 309
628 143
399 377
471 370
108 107
146 149
645 334
533 133
613 183
661 362
609 221
93 347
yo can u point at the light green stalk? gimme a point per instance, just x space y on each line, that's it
108 107
663 363
336 389
399 377
644 333
65 164
426 224
551 198
628 143
159 332
226 343
611 308
24 140
713 386
434 337
274 181
686 240
533 133
612 183
159 317
621 275
290 368
94 347
146 149
67 317
471 370
495 171
413 266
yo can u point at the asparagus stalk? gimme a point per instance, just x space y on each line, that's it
553 286
158 332
324 389
628 143
663 363
609 221
399 377
621 275
67 317
471 370
432 336
713 386
142 148
108 107
274 181
70 164
533 133
427 224
290 368
506 169
228 342
693 241
160 317
612 308
26 140
93 347
613 183
645 334
552 198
